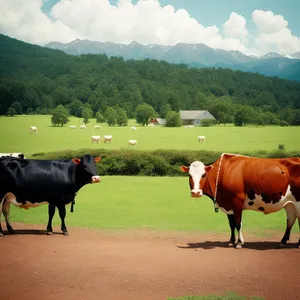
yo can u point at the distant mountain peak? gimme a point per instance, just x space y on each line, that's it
296 55
195 55
271 55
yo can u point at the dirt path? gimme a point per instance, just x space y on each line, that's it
94 264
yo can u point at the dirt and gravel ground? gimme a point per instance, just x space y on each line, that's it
143 265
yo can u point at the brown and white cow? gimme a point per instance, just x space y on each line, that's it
236 182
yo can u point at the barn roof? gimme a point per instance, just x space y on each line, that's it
195 115
158 120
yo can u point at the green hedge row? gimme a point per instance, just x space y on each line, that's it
150 163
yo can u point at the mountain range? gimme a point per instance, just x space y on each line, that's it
194 55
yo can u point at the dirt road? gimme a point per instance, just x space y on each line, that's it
142 265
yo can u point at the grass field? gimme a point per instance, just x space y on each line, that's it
157 203
142 202
15 137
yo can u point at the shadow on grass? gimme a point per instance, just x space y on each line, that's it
264 245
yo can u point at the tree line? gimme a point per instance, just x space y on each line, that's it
37 80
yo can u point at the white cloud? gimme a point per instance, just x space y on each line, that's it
146 22
235 27
274 34
24 20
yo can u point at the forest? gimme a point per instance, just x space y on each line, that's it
35 80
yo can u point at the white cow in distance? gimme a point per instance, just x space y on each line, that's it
201 138
33 129
133 128
72 126
107 138
132 143
82 126
95 138
97 126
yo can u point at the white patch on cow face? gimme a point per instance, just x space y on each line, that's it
259 205
196 171
95 179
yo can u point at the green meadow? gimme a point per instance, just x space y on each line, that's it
156 203
15 137
160 203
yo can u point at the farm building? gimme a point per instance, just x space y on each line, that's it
157 121
194 117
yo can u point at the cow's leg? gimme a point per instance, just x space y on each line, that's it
291 218
62 214
240 235
1 207
232 229
297 211
6 209
238 225
299 230
51 212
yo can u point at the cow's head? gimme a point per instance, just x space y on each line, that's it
197 171
86 169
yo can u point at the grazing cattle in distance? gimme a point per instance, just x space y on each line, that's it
33 129
107 138
14 154
189 126
29 183
72 126
97 126
201 138
82 126
132 143
236 182
133 128
95 138
151 125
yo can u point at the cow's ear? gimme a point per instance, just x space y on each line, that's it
184 169
208 168
76 161
97 159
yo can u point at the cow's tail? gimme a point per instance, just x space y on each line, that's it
72 206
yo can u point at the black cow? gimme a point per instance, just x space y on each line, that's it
28 183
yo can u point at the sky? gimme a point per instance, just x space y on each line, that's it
254 27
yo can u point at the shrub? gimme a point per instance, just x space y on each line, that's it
284 123
151 163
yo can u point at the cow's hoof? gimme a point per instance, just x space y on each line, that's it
49 233
65 233
230 244
1 234
238 246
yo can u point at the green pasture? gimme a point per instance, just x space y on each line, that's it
15 137
156 203
160 203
